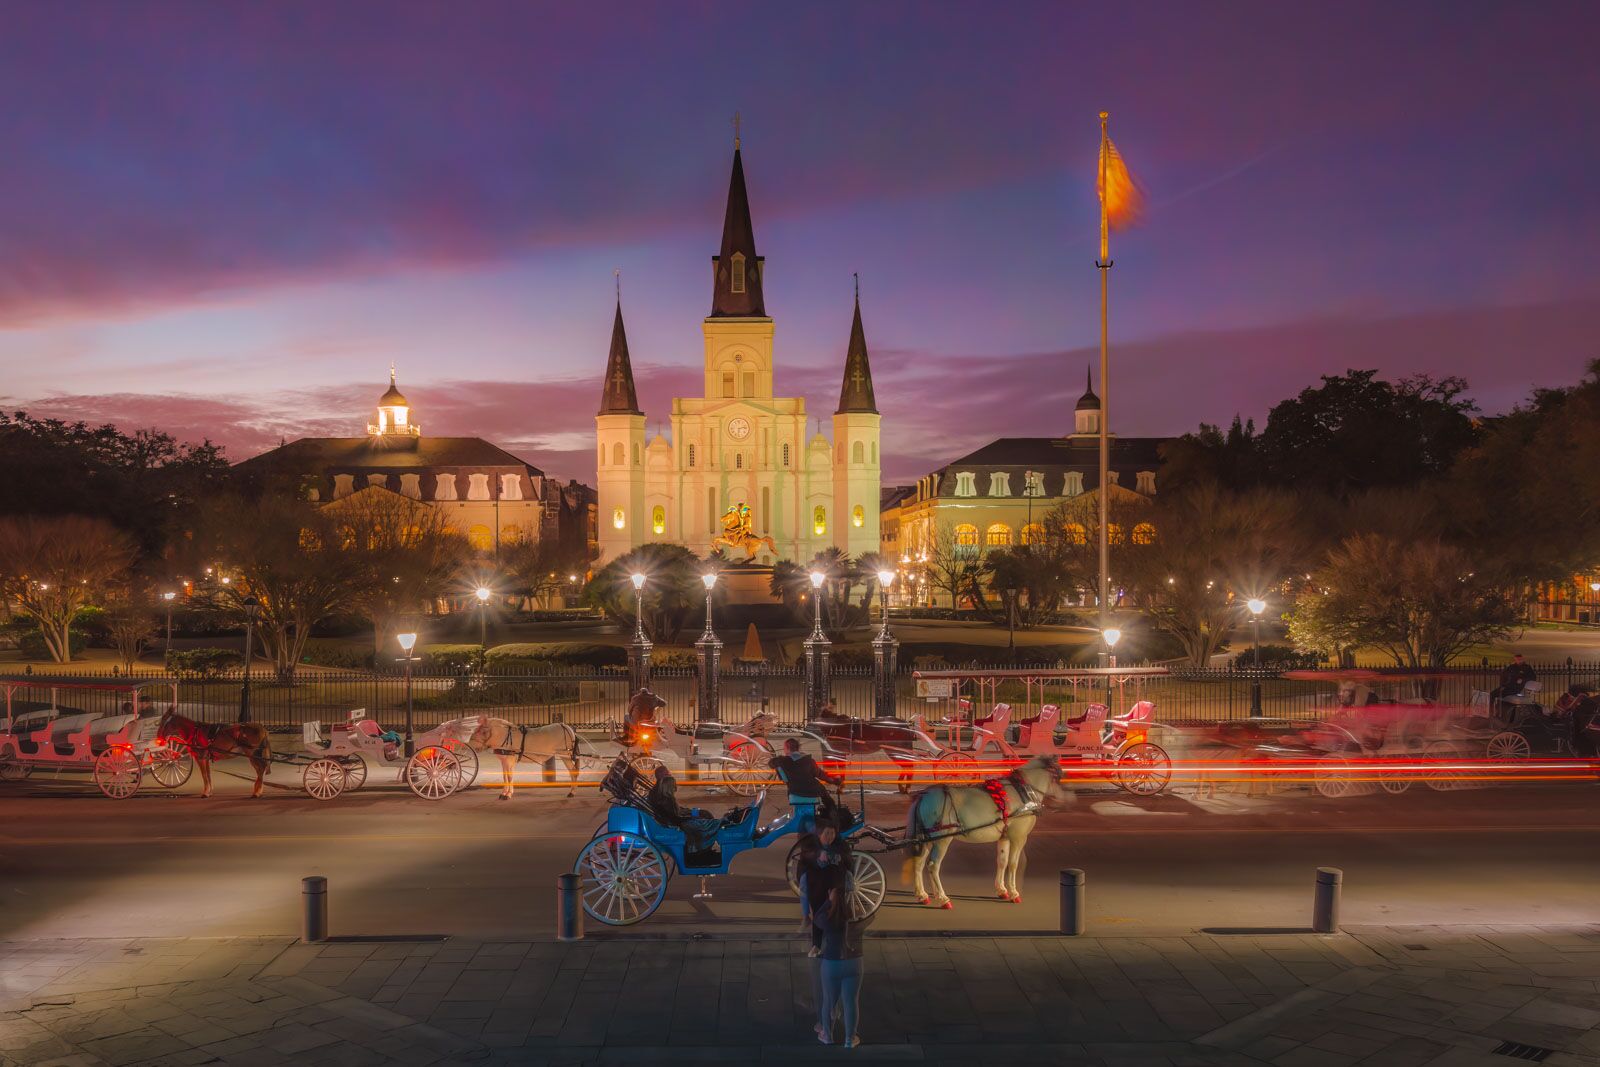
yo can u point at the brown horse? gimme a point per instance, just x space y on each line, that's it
208 741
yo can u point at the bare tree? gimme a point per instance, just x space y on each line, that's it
52 566
952 562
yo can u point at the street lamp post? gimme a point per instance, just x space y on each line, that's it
709 649
1111 635
252 608
407 643
1011 623
816 651
483 595
639 649
885 650
1256 606
166 653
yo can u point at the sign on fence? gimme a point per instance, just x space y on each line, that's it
936 688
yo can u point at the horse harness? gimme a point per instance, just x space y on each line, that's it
996 790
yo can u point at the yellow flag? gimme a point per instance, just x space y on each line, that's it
1119 193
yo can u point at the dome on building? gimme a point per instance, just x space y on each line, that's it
394 398
1088 401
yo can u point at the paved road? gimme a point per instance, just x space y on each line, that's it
73 864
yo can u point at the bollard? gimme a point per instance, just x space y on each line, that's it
569 912
1072 909
1325 908
314 901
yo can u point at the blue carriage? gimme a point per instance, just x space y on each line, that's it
624 869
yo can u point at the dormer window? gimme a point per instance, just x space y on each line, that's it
999 483
737 266
1146 483
966 484
1073 485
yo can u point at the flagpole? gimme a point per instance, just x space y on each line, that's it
1104 264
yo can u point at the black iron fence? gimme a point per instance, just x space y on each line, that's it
592 698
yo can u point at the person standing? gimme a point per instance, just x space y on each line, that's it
841 967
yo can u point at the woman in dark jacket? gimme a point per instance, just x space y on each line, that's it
841 966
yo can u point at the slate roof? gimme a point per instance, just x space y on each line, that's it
855 393
1053 456
738 236
617 395
317 454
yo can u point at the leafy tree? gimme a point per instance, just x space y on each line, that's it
1233 460
402 555
291 558
540 567
672 592
51 566
1212 550
791 583
1038 575
1420 601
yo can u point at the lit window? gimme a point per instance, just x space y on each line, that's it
618 519
1144 534
999 483
1114 534
481 538
738 272
998 535
819 520
858 516
1076 534
966 484
658 519
966 538
1033 534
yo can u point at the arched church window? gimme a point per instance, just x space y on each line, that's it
727 384
858 516
691 455
858 452
738 272
619 455
786 453
658 520
819 520
738 461
619 519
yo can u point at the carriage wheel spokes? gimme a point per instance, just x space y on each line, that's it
323 779
791 869
1508 744
12 769
1333 779
747 770
956 765
469 761
1143 769
868 884
1443 779
171 767
117 772
433 774
646 765
622 879
355 772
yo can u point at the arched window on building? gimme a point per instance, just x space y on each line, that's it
1076 534
998 535
738 461
966 483
619 455
480 537
727 385
658 520
966 538
1033 534
858 516
1114 534
749 380
1144 534
510 535
819 520
858 452
619 518
737 266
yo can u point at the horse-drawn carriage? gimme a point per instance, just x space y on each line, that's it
625 867
108 729
442 762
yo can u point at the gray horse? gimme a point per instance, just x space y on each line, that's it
943 813
536 744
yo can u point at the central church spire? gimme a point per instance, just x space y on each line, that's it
737 270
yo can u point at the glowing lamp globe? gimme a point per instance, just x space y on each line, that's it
482 594
710 580
1256 606
886 578
637 580
407 642
817 578
1112 636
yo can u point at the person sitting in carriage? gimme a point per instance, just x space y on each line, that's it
805 779
699 828
1513 680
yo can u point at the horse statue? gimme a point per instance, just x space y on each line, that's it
738 533
1002 810
209 741
513 743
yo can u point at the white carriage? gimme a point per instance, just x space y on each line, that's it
105 728
443 760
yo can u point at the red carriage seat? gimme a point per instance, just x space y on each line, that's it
999 711
1043 725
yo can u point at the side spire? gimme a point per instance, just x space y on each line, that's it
736 269
617 395
855 394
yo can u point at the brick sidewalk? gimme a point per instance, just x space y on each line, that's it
1386 997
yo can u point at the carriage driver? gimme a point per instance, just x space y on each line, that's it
804 778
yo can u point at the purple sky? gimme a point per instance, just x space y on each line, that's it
226 220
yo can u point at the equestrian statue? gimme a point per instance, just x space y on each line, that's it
738 533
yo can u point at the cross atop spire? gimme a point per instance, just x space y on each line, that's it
855 394
736 269
617 395
736 131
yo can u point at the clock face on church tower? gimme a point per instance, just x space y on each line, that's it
738 429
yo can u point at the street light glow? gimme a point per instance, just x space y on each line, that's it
817 578
1112 636
169 596
483 594
407 642
638 581
710 578
886 578
1256 606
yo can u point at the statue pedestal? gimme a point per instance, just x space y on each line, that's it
740 584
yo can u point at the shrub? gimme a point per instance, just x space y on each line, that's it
1279 658
321 653
450 657
569 652
206 662
95 624
31 643
674 657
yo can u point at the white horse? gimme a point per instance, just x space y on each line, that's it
943 813
537 744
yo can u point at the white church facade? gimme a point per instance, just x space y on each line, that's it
737 447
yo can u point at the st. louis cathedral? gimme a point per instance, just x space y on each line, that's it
738 466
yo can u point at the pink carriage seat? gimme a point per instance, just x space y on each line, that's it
1094 712
1042 726
1000 714
1143 711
